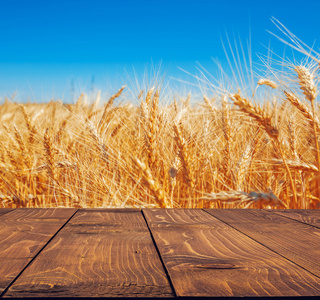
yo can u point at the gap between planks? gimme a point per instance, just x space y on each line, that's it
206 257
213 267
113 255
294 240
35 247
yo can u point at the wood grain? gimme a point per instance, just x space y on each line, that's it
311 217
207 258
99 253
296 241
23 232
4 211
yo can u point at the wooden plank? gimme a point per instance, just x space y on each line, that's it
207 258
296 241
308 216
4 211
99 253
23 233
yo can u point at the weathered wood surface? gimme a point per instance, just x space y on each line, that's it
23 232
206 257
311 217
5 211
99 253
294 240
159 253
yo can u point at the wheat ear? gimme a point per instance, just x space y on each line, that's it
227 134
264 120
309 88
79 103
242 166
257 113
108 105
152 130
264 81
152 184
307 84
249 198
268 82
298 165
304 110
183 151
113 97
19 140
49 154
31 128
209 105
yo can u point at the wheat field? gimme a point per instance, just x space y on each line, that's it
224 151
228 148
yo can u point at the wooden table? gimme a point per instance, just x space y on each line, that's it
159 253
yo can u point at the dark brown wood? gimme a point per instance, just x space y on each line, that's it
23 233
99 253
4 211
311 217
296 241
107 253
206 257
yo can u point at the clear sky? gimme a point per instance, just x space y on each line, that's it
47 46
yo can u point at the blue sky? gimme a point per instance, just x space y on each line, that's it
47 45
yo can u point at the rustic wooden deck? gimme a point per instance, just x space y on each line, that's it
159 253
